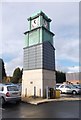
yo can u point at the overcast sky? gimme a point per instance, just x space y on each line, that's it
65 25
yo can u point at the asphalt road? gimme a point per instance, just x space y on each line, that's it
65 109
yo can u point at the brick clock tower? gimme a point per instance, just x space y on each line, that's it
39 57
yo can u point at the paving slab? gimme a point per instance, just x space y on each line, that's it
36 101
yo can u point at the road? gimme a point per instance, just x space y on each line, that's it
66 109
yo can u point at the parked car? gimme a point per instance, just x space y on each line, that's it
68 88
77 85
57 85
20 87
9 92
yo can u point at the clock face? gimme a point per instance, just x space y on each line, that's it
45 24
34 23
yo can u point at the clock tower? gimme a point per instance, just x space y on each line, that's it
39 57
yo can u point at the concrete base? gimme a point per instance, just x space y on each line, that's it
38 101
34 82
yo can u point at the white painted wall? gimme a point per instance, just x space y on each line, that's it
38 78
31 79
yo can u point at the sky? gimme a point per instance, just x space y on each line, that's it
65 25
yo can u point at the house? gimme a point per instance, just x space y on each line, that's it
73 77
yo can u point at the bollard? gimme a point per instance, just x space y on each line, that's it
26 92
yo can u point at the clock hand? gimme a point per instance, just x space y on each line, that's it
35 21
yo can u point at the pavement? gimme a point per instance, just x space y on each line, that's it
66 110
36 101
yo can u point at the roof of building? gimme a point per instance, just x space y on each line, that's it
39 13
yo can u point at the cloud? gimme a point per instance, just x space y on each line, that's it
13 47
65 24
67 69
67 50
73 69
0 30
41 1
13 64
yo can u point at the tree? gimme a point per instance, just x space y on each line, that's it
60 77
17 75
2 71
20 81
